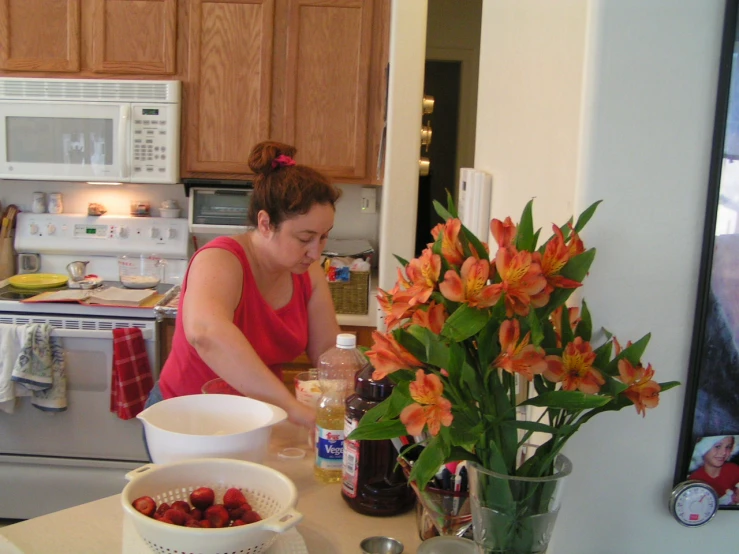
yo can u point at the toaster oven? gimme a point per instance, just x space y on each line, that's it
220 210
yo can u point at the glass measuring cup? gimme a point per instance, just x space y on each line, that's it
141 272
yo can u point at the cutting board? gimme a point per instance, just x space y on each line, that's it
79 296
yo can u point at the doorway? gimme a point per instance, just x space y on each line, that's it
442 82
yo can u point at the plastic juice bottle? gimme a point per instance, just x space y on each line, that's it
372 482
337 368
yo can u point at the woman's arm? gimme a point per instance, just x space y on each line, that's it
213 293
322 325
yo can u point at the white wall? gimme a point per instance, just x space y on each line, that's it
638 137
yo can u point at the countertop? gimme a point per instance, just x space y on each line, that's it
329 526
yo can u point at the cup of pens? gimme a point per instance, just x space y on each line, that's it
443 506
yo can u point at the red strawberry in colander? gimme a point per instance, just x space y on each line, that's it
217 515
233 498
145 505
202 497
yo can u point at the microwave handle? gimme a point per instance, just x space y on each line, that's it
123 125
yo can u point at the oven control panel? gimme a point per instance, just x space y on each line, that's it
104 235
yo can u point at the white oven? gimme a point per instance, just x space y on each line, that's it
52 461
89 130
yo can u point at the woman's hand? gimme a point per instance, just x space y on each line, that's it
303 415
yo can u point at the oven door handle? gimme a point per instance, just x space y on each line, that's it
148 334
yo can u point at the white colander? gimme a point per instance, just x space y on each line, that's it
269 492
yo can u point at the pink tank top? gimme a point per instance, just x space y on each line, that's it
277 336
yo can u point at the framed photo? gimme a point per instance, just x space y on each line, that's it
711 409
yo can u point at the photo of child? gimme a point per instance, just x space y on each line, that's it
710 464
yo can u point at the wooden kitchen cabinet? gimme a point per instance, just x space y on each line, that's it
90 38
230 81
133 37
306 72
40 35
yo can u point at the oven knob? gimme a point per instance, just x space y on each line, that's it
33 229
154 232
51 229
122 232
171 233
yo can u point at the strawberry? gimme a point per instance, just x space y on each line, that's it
202 497
145 505
236 513
175 516
196 514
217 515
193 523
205 524
237 522
181 505
251 517
163 507
233 498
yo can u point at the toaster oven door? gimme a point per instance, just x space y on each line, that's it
220 211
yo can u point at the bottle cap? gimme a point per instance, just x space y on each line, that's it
346 340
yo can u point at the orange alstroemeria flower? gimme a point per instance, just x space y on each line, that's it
451 247
521 281
504 232
575 368
387 356
432 319
574 316
519 356
555 257
395 304
470 285
642 391
430 407
423 273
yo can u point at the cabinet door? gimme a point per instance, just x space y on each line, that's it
229 100
134 37
40 35
327 75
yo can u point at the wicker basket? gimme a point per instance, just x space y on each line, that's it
351 297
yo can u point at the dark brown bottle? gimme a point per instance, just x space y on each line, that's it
372 482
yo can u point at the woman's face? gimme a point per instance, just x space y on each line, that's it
719 452
300 240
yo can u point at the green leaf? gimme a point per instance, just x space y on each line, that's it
487 342
437 350
584 327
537 335
571 400
464 323
537 427
470 380
403 262
442 212
578 266
464 432
450 204
586 215
379 430
525 239
668 385
390 407
411 344
428 463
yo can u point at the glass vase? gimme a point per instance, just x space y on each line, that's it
515 515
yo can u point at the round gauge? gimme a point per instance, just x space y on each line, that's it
693 503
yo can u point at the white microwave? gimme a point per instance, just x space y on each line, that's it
90 130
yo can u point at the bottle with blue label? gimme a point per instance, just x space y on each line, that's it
337 370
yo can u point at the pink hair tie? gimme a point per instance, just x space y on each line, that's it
282 160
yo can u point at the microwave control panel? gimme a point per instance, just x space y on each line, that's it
155 131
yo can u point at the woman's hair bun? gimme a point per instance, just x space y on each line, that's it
262 155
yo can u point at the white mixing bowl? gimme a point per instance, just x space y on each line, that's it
209 426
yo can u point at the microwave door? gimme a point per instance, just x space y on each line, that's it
63 141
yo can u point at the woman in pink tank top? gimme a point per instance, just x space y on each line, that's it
254 301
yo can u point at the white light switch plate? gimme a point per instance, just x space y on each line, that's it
369 200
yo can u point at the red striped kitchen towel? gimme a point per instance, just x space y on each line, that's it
132 379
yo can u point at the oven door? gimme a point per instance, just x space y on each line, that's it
64 141
87 429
